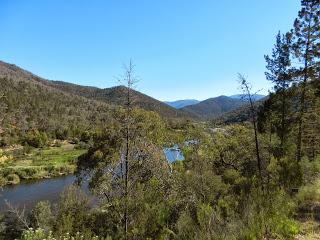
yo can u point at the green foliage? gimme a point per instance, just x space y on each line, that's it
13 178
36 139
42 217
72 216
235 182
40 163
310 193
40 234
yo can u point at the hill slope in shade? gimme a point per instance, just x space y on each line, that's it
117 96
112 96
182 103
214 107
240 114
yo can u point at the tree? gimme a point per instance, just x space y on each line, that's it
125 160
246 88
306 46
278 66
130 80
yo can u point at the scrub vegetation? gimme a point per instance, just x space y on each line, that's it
258 178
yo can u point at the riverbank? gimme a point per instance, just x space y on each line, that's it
38 163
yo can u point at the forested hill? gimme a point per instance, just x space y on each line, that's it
117 96
214 107
28 104
112 96
240 114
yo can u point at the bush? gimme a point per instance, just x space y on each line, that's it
2 181
81 145
36 139
41 216
310 193
85 136
62 134
27 149
13 178
40 234
310 169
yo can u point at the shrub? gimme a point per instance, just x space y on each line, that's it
13 178
41 216
81 145
62 134
40 234
27 149
2 180
36 139
310 192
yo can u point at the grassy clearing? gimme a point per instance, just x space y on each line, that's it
38 163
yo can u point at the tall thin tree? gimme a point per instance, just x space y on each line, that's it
247 90
278 66
130 80
306 48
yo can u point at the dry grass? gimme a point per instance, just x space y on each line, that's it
310 230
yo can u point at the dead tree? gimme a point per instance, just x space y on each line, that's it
246 88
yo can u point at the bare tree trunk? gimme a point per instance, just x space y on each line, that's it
129 80
247 90
127 157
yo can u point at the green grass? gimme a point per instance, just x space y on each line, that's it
41 163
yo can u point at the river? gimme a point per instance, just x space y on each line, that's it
28 193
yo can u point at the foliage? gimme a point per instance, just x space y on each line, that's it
40 234
40 163
42 217
239 181
36 139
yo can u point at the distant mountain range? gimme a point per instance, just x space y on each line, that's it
182 103
212 107
256 97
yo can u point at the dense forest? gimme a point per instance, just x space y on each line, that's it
252 173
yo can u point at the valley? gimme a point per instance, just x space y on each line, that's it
89 149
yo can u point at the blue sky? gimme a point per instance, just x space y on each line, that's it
181 48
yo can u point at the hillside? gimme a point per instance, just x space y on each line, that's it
238 115
117 96
214 107
28 103
112 96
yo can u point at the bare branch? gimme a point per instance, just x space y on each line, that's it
19 214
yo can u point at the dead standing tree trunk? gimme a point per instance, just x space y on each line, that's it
246 88
129 80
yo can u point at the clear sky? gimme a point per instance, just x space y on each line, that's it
182 48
